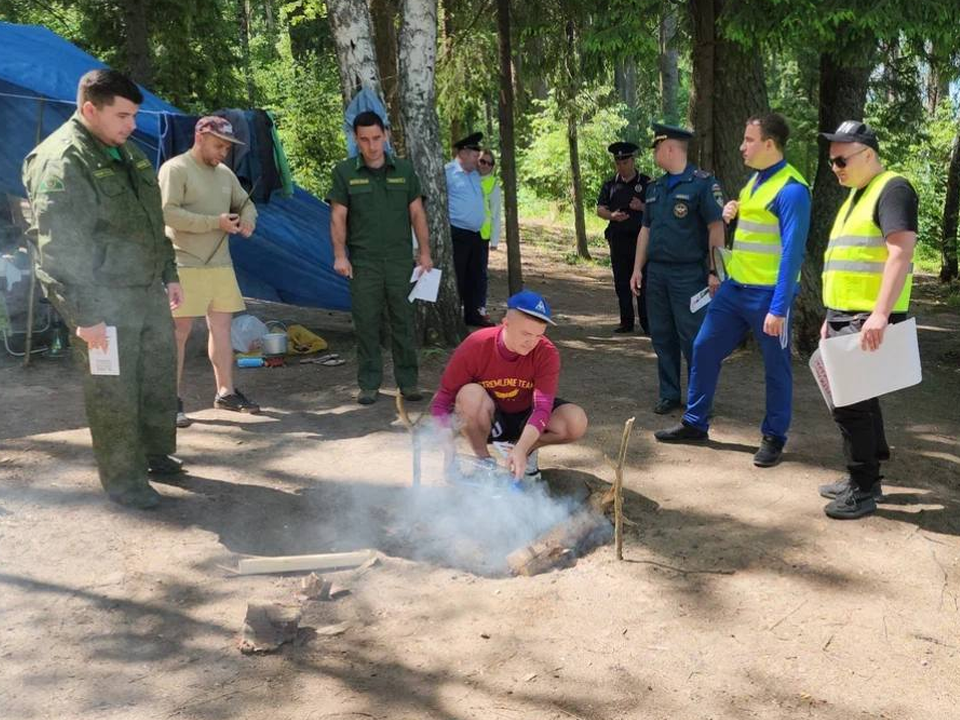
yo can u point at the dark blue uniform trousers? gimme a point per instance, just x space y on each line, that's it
672 326
734 310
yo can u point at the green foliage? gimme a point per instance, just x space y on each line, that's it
544 164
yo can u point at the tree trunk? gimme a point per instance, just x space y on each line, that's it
243 28
739 91
356 57
625 82
136 42
579 221
384 14
440 323
703 22
843 93
669 58
508 161
951 206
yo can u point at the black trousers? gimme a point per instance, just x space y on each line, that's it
623 253
468 257
860 424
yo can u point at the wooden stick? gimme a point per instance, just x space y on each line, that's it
295 563
414 437
618 489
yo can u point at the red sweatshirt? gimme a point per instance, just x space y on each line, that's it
514 382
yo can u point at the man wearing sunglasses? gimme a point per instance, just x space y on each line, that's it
867 277
621 204
773 217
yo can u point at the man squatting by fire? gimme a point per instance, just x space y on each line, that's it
501 382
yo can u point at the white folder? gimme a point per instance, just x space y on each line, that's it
855 374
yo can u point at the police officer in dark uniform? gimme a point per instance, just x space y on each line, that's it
621 203
682 221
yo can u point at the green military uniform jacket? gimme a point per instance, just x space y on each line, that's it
378 206
98 221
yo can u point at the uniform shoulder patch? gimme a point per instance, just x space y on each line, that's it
50 184
717 193
702 174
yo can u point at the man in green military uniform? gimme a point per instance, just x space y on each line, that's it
104 261
375 200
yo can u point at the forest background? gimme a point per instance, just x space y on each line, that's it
573 76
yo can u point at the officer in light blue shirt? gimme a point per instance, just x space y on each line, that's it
467 215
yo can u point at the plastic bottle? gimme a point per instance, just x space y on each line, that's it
246 362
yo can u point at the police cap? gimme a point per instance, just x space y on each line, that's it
669 132
470 142
622 150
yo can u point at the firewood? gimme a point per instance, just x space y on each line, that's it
555 548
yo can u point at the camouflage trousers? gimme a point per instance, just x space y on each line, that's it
132 415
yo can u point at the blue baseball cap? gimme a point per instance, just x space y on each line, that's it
530 303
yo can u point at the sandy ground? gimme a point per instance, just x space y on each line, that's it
737 598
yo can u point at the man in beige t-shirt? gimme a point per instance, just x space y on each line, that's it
203 203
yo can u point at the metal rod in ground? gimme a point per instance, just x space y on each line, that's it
618 489
414 437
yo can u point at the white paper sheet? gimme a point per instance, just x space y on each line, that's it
427 287
700 299
106 363
856 374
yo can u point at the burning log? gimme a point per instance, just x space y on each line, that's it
558 546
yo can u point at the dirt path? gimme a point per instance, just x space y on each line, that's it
738 597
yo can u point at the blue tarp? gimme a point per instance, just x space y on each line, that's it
289 258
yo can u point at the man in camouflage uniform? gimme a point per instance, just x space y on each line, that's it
104 261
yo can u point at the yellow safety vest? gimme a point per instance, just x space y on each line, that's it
857 253
757 245
487 183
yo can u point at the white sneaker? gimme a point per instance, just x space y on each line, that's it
182 420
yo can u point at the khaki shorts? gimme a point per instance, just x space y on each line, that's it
208 289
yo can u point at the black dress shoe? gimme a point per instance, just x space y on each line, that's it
770 452
682 433
623 329
164 465
665 406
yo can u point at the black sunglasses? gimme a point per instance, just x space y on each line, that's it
841 162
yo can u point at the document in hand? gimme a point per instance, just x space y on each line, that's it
106 362
856 374
427 287
700 299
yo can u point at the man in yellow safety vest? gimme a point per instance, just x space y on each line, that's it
772 217
867 277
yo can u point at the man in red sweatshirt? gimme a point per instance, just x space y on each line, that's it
501 382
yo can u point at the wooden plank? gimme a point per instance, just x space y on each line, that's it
298 563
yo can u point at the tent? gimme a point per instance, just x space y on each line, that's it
289 258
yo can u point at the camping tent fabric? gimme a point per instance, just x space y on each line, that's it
289 258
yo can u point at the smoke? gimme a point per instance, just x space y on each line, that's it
471 518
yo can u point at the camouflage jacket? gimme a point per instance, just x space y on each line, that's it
97 219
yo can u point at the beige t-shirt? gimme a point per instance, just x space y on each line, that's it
194 195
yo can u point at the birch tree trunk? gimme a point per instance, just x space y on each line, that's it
356 56
508 151
440 322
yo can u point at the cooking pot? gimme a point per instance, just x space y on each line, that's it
275 342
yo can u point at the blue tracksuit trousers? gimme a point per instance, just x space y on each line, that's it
734 310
